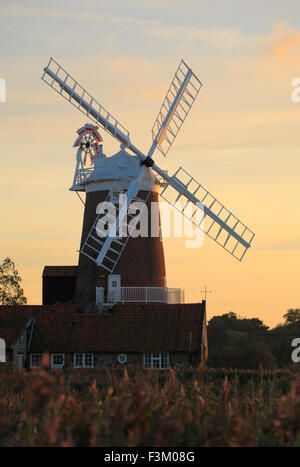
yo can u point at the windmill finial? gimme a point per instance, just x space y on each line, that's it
205 292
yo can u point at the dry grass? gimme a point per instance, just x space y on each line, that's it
133 407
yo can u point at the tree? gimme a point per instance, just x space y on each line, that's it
282 335
292 316
11 292
238 342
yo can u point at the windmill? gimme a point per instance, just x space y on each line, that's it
106 254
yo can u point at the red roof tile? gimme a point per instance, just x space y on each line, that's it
13 318
130 328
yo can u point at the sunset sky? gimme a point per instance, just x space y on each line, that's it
241 139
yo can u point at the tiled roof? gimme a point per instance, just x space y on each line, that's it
57 271
130 328
13 318
12 326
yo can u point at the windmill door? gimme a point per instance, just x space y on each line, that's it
114 288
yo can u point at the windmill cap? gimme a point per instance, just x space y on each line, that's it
121 166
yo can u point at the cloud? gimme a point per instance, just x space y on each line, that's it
153 94
38 13
285 245
277 53
224 38
285 44
120 64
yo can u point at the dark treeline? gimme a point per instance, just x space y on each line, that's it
236 342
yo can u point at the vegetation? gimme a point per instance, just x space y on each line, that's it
236 342
11 292
133 407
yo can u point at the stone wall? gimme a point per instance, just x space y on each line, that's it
111 359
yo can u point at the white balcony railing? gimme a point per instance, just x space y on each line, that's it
82 175
148 295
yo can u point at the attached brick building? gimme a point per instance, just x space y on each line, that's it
152 335
59 284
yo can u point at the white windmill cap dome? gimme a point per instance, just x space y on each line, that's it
122 167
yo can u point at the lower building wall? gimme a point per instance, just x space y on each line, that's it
111 359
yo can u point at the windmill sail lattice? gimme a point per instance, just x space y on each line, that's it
218 222
63 83
175 107
215 220
107 250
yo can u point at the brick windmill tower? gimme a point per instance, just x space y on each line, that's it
112 267
106 183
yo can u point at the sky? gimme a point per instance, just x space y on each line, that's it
240 141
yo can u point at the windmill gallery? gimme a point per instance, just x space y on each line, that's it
114 307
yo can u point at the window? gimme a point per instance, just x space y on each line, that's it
114 283
122 358
156 361
83 360
57 360
78 360
35 360
89 360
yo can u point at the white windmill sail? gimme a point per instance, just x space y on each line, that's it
215 220
178 102
62 82
106 249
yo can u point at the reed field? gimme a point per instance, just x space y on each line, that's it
180 407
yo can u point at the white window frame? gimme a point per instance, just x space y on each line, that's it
122 358
55 365
83 355
84 360
35 355
156 361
